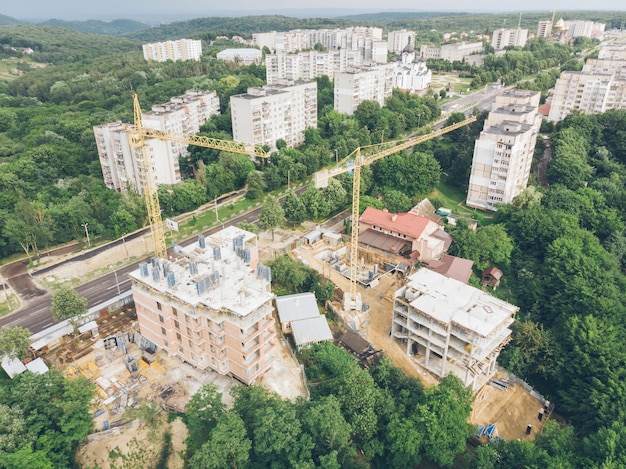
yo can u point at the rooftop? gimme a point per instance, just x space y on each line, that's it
296 307
219 272
311 330
404 223
450 301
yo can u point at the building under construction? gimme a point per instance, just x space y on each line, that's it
211 306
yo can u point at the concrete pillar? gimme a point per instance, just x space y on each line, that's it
445 350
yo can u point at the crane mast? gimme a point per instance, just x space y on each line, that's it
138 139
373 153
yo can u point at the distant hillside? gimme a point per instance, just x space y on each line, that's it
60 45
4 20
398 15
111 28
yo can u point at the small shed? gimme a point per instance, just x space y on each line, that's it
37 366
307 332
491 277
312 237
12 366
356 344
296 307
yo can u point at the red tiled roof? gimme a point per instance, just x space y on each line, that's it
454 267
544 109
404 223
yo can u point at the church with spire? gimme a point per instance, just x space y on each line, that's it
410 72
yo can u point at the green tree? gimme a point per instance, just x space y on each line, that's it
272 215
202 413
227 445
295 211
255 185
68 304
15 342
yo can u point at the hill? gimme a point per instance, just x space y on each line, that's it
4 20
108 28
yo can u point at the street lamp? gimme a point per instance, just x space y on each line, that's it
336 157
117 283
86 233
288 178
124 243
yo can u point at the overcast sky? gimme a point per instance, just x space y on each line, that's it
141 9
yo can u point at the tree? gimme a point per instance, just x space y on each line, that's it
15 342
202 413
227 446
68 304
272 214
13 429
256 185
295 211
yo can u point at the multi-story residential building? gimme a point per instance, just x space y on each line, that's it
398 40
509 37
243 56
451 327
352 87
306 66
451 52
410 72
181 49
585 29
503 152
182 115
264 115
544 28
600 86
211 306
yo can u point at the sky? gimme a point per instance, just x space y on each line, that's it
185 9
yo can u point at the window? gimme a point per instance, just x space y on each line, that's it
190 343
161 319
176 325
163 331
174 311
178 336
159 306
189 332
181 349
165 343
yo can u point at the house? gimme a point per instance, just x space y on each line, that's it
404 234
356 344
14 367
491 277
296 307
310 331
453 267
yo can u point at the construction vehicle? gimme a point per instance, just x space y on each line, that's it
363 156
138 139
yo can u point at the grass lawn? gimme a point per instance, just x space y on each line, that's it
450 197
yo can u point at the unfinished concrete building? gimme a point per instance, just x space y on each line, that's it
211 306
451 327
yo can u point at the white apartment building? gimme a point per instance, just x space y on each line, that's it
398 40
451 52
585 29
309 65
503 152
451 327
544 28
509 37
365 39
210 306
410 73
243 56
182 115
264 115
181 49
600 86
352 87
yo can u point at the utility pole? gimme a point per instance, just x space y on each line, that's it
124 243
117 283
86 233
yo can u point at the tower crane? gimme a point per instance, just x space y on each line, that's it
138 139
363 156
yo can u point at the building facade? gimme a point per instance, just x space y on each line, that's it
352 87
243 56
264 115
181 49
544 28
182 115
585 29
211 306
398 40
297 40
410 72
451 52
503 152
600 86
451 327
307 66
509 37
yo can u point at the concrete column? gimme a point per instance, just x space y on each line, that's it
445 351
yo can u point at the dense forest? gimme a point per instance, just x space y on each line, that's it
562 247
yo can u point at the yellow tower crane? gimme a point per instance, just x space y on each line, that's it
363 156
139 135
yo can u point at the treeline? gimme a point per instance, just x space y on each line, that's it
354 418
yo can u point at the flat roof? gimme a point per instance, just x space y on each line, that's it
311 330
38 366
447 300
296 307
219 275
12 366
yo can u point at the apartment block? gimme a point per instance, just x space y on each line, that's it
451 52
307 66
182 115
398 40
352 87
509 37
241 55
503 152
181 49
451 327
264 115
298 40
211 306
585 29
600 86
544 28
